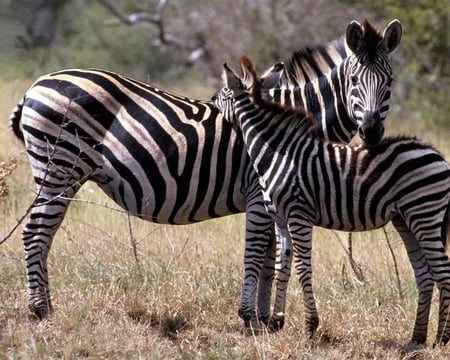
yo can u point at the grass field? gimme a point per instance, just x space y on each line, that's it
177 298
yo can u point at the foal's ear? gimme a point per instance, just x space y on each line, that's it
272 76
230 79
354 36
392 36
248 72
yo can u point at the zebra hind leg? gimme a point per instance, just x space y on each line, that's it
424 280
284 244
431 264
443 332
45 218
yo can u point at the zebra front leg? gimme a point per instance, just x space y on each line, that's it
284 247
266 280
257 241
45 218
302 242
423 277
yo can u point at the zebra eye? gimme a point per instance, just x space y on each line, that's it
354 79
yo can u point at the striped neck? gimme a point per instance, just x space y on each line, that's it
269 131
325 98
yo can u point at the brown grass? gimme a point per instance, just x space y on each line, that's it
180 300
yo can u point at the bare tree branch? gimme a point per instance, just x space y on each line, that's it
198 50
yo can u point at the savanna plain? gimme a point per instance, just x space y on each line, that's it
127 289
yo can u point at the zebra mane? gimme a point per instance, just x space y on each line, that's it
311 62
305 118
372 38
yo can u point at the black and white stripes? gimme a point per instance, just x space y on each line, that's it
307 182
355 94
161 157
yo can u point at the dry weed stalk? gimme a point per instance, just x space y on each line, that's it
6 168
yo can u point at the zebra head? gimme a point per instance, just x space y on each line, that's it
368 76
234 85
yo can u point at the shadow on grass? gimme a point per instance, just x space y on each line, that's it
169 326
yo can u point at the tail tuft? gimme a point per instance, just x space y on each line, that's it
14 120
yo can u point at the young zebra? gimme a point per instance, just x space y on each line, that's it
307 182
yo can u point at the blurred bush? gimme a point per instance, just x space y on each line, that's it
267 30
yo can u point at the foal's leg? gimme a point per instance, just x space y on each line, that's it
258 239
283 274
266 280
424 280
302 241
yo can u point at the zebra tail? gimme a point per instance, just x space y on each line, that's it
14 120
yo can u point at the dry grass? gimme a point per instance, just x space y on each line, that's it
178 298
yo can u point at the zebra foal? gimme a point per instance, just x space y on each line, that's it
308 182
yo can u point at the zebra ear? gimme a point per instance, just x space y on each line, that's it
272 76
248 71
392 36
229 78
354 36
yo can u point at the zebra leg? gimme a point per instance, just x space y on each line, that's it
266 280
440 268
302 242
45 218
443 331
424 280
258 233
283 274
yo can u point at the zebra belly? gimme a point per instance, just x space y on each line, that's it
170 210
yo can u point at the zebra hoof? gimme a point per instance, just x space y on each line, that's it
276 322
246 316
441 341
411 348
418 340
42 312
311 326
264 319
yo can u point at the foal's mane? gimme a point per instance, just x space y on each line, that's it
372 38
303 116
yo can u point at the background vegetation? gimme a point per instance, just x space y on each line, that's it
83 33
177 296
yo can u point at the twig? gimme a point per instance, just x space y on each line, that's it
399 286
355 266
134 245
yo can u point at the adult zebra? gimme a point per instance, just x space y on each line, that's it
162 157
354 95
309 182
